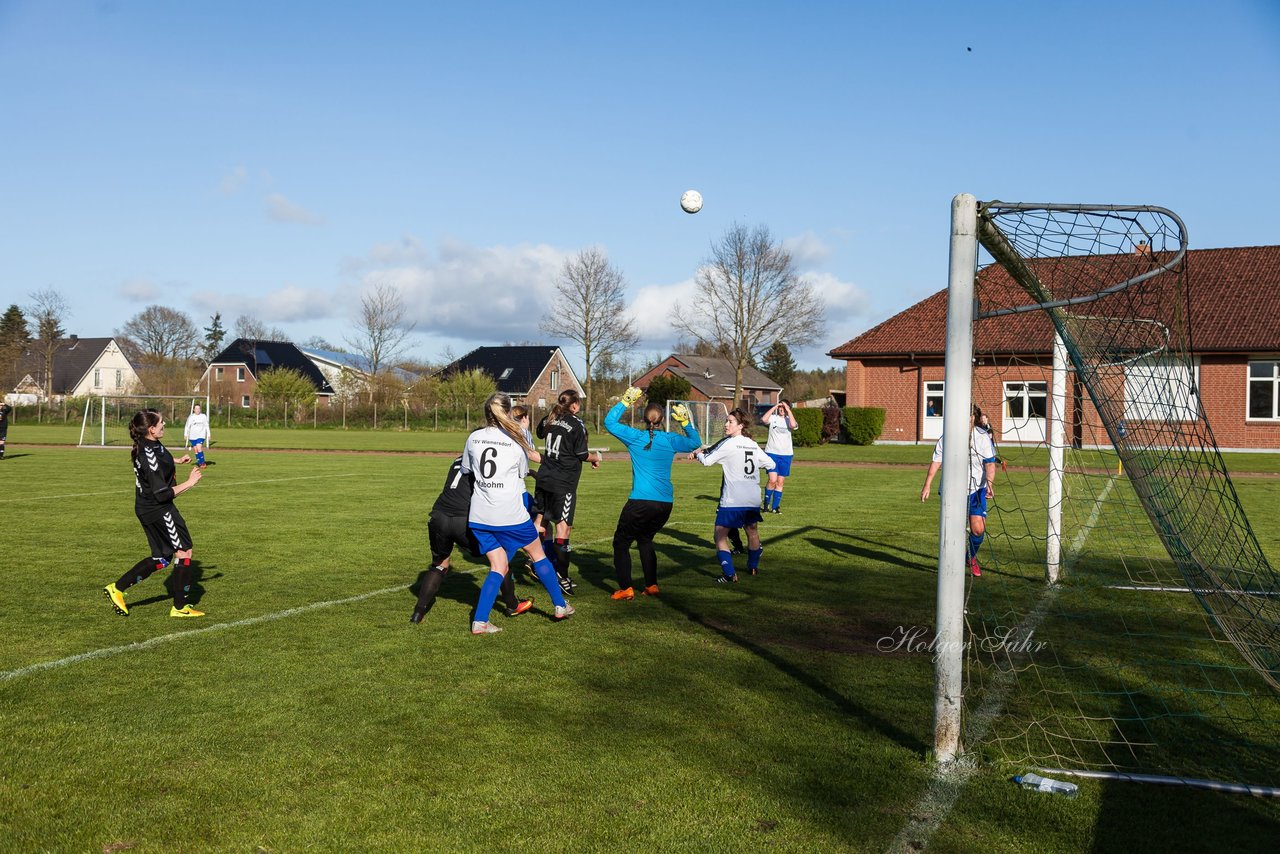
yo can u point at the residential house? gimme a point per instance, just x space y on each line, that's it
347 372
532 374
1235 347
233 374
713 378
81 366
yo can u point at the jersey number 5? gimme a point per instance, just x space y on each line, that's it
749 467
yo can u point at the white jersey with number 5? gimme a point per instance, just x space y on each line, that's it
741 460
499 466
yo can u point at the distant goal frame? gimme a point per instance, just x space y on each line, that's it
92 429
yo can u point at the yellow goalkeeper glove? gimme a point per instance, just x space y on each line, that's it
680 413
630 396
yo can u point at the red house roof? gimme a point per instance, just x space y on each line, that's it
1233 295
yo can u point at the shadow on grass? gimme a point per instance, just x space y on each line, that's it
845 705
195 590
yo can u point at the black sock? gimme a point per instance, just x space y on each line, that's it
562 557
735 539
508 592
141 570
430 587
648 562
181 579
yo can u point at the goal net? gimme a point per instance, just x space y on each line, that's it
708 419
106 419
1127 621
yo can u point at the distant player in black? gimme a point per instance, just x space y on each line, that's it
154 490
564 451
446 528
4 425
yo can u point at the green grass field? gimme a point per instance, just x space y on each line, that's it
305 713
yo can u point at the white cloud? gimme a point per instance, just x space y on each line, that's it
138 290
652 308
231 182
807 250
284 305
282 209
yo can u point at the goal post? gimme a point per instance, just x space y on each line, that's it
105 423
1126 623
708 418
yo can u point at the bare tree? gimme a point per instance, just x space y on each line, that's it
588 309
748 297
163 333
381 333
253 329
47 311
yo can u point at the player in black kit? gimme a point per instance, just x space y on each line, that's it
155 488
446 528
564 451
4 425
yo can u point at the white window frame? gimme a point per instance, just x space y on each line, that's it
217 373
97 377
1146 377
555 379
244 401
1274 381
239 375
119 378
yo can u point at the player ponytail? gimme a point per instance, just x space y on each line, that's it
138 427
740 415
653 415
497 413
564 404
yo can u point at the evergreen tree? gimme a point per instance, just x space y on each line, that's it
13 327
213 335
778 364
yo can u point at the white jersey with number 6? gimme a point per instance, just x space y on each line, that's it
499 466
741 460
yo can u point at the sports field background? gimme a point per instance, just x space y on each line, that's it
306 713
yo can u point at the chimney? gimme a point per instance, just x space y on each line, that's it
1142 248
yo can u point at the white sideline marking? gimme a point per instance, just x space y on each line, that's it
209 485
162 639
936 804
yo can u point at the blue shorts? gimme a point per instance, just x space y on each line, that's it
509 538
195 442
978 503
783 462
737 517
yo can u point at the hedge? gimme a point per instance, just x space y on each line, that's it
862 424
808 432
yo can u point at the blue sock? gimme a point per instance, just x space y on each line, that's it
547 575
975 540
753 558
488 595
768 498
200 456
777 498
726 563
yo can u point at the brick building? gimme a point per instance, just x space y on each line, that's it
232 375
713 379
1233 313
533 375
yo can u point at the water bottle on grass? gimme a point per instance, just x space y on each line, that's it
1045 784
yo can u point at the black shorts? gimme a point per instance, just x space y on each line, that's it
445 532
642 520
167 534
557 506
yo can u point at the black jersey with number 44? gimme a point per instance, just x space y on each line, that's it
564 452
455 498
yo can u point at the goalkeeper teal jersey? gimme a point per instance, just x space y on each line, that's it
651 455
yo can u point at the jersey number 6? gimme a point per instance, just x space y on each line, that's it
488 463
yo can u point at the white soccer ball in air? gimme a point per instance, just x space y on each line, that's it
691 201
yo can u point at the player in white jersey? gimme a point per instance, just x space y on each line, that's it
982 474
196 432
741 460
781 421
498 457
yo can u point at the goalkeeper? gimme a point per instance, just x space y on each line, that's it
649 505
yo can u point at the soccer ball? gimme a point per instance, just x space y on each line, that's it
691 201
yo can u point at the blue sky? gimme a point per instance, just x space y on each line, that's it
275 158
